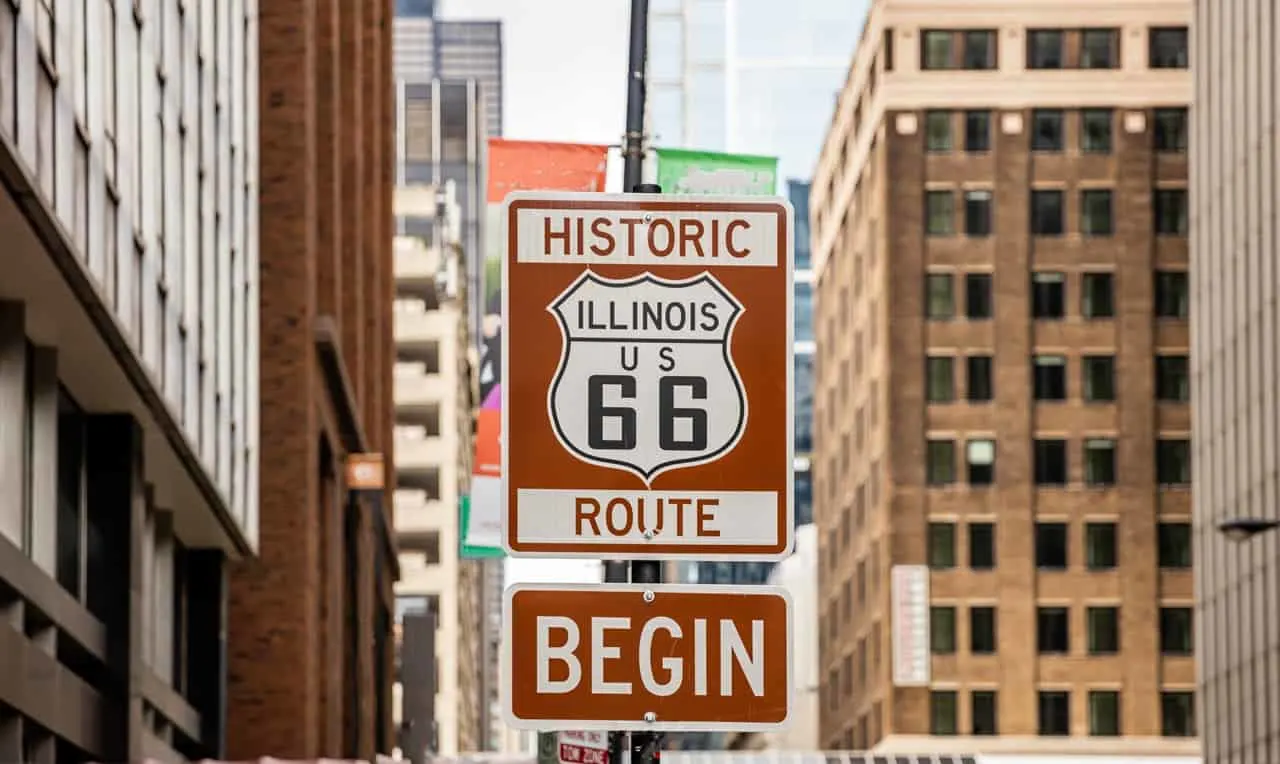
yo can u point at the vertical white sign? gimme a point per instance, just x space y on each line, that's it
910 613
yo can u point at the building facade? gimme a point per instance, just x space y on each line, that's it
1002 459
1233 201
129 444
309 641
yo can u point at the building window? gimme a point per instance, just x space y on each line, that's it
1173 462
70 562
940 379
1097 295
937 131
1096 216
938 50
1103 627
940 213
1047 214
982 546
1045 49
942 546
1099 462
1173 379
1099 377
1047 130
1104 713
940 296
1168 48
1054 712
1099 49
1178 713
886 49
1095 131
1169 130
977 213
1100 551
1048 295
977 131
942 462
1174 544
1053 634
985 716
980 456
942 713
1049 377
1176 631
1172 298
977 296
982 630
979 49
1051 546
978 378
1171 211
942 629
1051 462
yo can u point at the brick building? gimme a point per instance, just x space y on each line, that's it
309 652
1002 472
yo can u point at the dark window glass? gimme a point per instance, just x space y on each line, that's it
1100 549
1169 130
940 213
977 296
1173 462
1047 214
937 51
977 130
1097 295
1177 630
1051 462
943 713
71 500
977 213
1049 377
1095 131
980 458
1172 294
1051 546
1055 712
1171 211
1099 49
985 714
1053 633
937 131
978 382
1104 713
982 546
1100 462
982 630
1175 545
1045 49
1173 378
1099 372
940 379
941 465
1096 215
1178 713
1048 295
979 49
1047 130
886 49
1103 627
942 629
1168 48
942 546
939 296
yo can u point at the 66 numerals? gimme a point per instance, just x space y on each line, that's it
668 413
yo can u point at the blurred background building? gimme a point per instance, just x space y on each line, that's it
1002 424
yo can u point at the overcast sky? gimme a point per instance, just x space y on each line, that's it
564 79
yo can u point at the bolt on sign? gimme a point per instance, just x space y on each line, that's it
663 658
647 408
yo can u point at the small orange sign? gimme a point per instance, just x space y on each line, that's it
631 657
647 376
365 472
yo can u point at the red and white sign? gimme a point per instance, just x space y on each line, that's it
584 747
647 377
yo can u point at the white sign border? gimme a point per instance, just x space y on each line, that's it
639 725
695 553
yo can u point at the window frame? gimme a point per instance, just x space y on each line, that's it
1090 227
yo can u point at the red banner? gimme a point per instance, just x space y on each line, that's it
542 166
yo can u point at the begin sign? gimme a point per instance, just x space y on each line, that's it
631 657
647 394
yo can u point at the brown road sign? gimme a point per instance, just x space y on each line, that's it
647 377
630 657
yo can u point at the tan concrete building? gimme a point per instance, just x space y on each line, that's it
1233 352
1002 460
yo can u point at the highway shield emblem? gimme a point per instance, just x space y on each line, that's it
646 381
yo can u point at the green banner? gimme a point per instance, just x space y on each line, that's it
466 550
681 171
